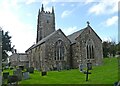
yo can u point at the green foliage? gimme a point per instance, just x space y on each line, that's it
118 48
104 74
109 48
6 45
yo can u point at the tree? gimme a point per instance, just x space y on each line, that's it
118 48
109 48
6 45
113 48
106 48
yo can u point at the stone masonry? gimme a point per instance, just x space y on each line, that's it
54 50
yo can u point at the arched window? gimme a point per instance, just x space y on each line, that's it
59 50
87 52
90 52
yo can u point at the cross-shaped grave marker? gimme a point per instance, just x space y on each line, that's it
89 67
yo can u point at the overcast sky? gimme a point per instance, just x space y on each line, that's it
19 17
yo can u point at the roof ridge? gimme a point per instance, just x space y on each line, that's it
76 31
74 35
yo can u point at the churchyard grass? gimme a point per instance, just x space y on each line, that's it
104 74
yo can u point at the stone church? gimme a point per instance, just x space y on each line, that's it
53 49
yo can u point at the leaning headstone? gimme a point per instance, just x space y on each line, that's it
18 73
26 75
5 75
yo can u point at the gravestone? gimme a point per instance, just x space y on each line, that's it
81 67
87 72
54 68
58 66
30 70
26 75
89 66
18 73
67 67
44 73
21 67
5 75
12 79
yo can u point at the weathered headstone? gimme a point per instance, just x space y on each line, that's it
67 67
26 75
81 67
18 73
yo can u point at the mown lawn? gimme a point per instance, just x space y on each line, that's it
104 74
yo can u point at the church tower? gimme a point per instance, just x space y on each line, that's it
45 23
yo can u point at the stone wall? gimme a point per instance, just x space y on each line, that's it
74 56
42 56
50 50
46 24
19 59
88 37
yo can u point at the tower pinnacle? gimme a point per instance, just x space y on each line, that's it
52 9
42 8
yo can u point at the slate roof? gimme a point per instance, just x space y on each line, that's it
30 48
46 38
43 40
73 36
70 37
